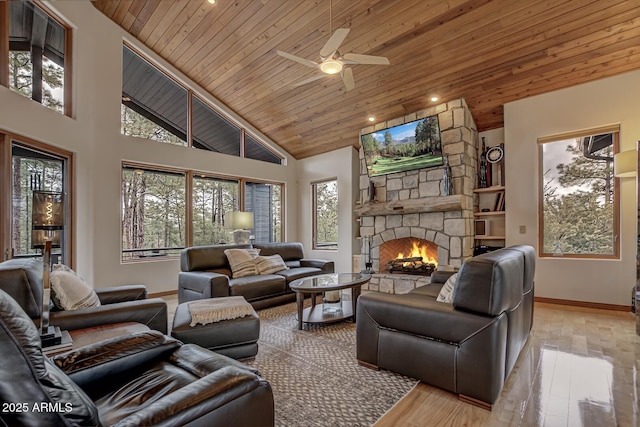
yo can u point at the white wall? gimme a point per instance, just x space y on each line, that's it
93 135
342 164
608 101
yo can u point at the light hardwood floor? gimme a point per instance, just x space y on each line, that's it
580 367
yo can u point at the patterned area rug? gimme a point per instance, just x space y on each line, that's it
315 376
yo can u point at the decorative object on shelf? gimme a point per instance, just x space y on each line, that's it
447 178
241 223
482 227
47 220
495 155
482 173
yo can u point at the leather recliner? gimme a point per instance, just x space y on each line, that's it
21 278
468 347
145 379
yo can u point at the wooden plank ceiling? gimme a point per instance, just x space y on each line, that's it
488 52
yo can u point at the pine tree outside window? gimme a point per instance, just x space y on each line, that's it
579 201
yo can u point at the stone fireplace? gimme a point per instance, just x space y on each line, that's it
412 205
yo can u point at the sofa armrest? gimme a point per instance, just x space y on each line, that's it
323 264
151 312
200 400
97 365
194 285
441 276
121 293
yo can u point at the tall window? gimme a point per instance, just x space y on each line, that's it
37 57
579 195
155 106
325 214
212 198
153 212
265 201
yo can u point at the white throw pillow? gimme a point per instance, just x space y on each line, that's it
70 292
270 264
242 261
446 293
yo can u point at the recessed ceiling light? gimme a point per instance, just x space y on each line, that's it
371 119
434 98
211 1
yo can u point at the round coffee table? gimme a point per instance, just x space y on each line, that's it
329 284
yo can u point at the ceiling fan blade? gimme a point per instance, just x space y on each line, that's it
298 59
366 59
347 78
334 42
309 80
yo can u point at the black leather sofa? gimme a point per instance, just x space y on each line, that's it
468 347
145 379
205 273
21 278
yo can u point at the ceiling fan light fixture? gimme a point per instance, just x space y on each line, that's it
331 66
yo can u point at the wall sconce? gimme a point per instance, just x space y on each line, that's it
47 222
241 223
625 164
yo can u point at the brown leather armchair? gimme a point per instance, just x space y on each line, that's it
139 380
21 278
468 347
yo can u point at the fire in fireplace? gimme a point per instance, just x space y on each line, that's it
409 256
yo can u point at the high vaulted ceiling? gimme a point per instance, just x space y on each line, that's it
488 52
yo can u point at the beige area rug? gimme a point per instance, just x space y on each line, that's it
315 376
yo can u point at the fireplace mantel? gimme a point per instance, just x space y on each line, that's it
455 202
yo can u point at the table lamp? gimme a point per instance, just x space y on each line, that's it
47 221
241 223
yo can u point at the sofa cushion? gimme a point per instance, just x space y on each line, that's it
289 251
270 264
432 290
256 287
242 261
69 291
446 292
202 258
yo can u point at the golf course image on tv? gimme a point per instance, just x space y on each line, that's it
413 145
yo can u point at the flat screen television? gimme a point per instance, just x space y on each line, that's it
413 145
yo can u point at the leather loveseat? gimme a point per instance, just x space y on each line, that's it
205 273
145 379
468 347
21 278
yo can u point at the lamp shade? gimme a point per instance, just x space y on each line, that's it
48 211
238 220
625 164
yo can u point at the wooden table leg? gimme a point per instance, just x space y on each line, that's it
300 303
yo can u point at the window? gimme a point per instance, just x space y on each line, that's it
153 212
37 59
212 198
325 214
33 166
265 201
579 195
156 107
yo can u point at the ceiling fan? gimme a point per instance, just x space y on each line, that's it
333 62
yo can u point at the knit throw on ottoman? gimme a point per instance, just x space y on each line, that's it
217 309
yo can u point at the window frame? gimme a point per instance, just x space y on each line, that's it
7 139
68 53
613 129
226 116
189 177
314 215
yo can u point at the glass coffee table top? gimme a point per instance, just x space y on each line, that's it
329 282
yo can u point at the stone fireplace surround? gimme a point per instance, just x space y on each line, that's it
412 204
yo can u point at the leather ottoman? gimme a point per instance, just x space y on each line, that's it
236 338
